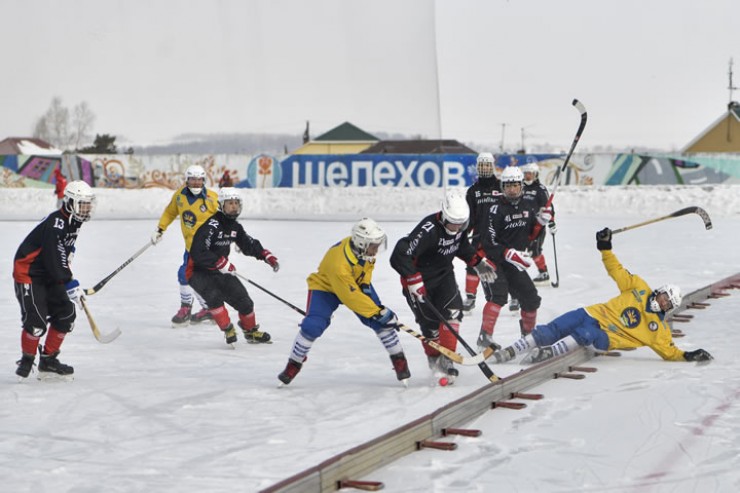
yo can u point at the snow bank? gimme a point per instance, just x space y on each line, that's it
383 203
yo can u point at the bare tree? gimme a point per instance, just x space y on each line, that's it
82 122
55 126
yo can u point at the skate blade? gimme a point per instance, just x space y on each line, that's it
258 342
405 382
180 326
46 376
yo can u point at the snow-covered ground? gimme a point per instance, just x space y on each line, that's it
164 409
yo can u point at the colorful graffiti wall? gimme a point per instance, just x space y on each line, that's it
363 170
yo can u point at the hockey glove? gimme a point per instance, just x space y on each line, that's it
225 267
270 260
386 318
604 239
544 216
157 236
415 285
486 270
74 292
520 260
553 228
698 355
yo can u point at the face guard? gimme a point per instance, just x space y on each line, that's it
512 183
195 178
229 202
79 201
666 298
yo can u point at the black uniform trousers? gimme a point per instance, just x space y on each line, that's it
42 304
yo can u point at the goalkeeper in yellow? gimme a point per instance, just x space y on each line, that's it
345 278
635 318
194 204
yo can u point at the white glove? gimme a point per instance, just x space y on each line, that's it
156 236
415 285
486 270
74 291
520 260
545 215
225 267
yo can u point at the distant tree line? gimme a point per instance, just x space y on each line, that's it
70 130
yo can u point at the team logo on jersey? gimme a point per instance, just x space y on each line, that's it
631 317
188 219
653 326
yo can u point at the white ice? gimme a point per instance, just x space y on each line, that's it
164 409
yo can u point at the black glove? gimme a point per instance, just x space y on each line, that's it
698 355
604 239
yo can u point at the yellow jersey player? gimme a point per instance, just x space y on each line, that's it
345 277
635 318
194 204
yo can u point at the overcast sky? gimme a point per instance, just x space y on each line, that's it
650 72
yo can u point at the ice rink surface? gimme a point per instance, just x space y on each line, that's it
163 409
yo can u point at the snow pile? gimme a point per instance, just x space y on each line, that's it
28 148
383 203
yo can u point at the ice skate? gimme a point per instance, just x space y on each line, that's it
50 368
25 365
401 366
514 305
485 341
182 317
204 315
255 336
503 355
230 335
443 371
538 355
290 372
542 278
469 303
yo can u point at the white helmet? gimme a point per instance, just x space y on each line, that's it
512 174
531 172
484 165
455 210
195 171
366 234
79 200
674 296
229 193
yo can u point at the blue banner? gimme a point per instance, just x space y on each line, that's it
363 170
